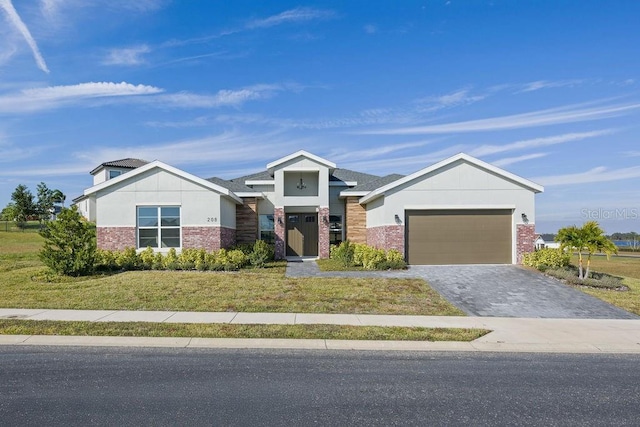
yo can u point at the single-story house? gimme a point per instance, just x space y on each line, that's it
460 210
541 243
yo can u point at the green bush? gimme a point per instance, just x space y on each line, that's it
69 244
597 280
171 262
147 258
343 253
368 257
106 260
546 258
128 259
261 253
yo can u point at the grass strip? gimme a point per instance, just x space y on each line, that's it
145 329
628 300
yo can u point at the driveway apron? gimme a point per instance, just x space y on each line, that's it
512 291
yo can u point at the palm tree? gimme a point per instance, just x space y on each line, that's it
597 242
590 238
573 239
58 196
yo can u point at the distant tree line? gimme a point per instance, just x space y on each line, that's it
24 206
632 236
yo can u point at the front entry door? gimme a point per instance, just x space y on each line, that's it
302 234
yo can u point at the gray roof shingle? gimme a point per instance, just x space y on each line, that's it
236 187
128 163
375 184
349 175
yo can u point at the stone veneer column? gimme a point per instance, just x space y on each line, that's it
323 232
525 240
386 237
116 238
279 220
355 221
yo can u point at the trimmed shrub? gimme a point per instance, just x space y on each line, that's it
106 260
147 258
343 253
260 253
69 244
171 261
546 258
128 259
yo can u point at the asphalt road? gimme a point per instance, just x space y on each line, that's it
127 386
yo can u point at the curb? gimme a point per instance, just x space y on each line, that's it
312 344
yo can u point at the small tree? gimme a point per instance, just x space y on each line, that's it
44 205
23 204
590 238
70 244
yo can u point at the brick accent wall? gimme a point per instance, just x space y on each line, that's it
323 233
525 240
116 238
278 216
387 237
355 221
209 238
247 221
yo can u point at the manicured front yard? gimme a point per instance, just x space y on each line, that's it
24 285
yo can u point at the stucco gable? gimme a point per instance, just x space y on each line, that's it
459 160
142 170
304 154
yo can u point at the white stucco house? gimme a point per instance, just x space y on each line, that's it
460 210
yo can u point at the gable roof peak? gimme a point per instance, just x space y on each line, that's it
301 153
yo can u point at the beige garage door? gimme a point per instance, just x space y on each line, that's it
459 236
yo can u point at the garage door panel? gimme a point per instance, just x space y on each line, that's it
459 237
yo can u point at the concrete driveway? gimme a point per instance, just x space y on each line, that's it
512 291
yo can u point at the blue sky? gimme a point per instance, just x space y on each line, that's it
549 90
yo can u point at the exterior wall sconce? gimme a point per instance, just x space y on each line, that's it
301 185
524 218
397 218
279 220
325 219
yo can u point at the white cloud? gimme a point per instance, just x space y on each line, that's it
567 114
347 154
404 165
545 84
511 160
370 29
15 20
297 15
127 56
485 150
453 99
55 96
599 174
223 97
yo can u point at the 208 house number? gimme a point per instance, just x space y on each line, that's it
212 219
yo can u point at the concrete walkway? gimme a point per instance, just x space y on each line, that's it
509 334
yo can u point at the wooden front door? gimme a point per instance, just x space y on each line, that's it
302 234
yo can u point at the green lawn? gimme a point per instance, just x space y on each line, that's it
23 284
141 329
626 267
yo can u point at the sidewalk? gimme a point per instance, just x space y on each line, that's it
509 334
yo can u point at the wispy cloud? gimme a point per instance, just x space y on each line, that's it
15 20
215 151
50 97
223 97
511 160
127 56
567 114
599 174
449 100
347 154
486 150
297 15
370 29
545 84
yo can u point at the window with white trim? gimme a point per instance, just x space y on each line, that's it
159 226
114 173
